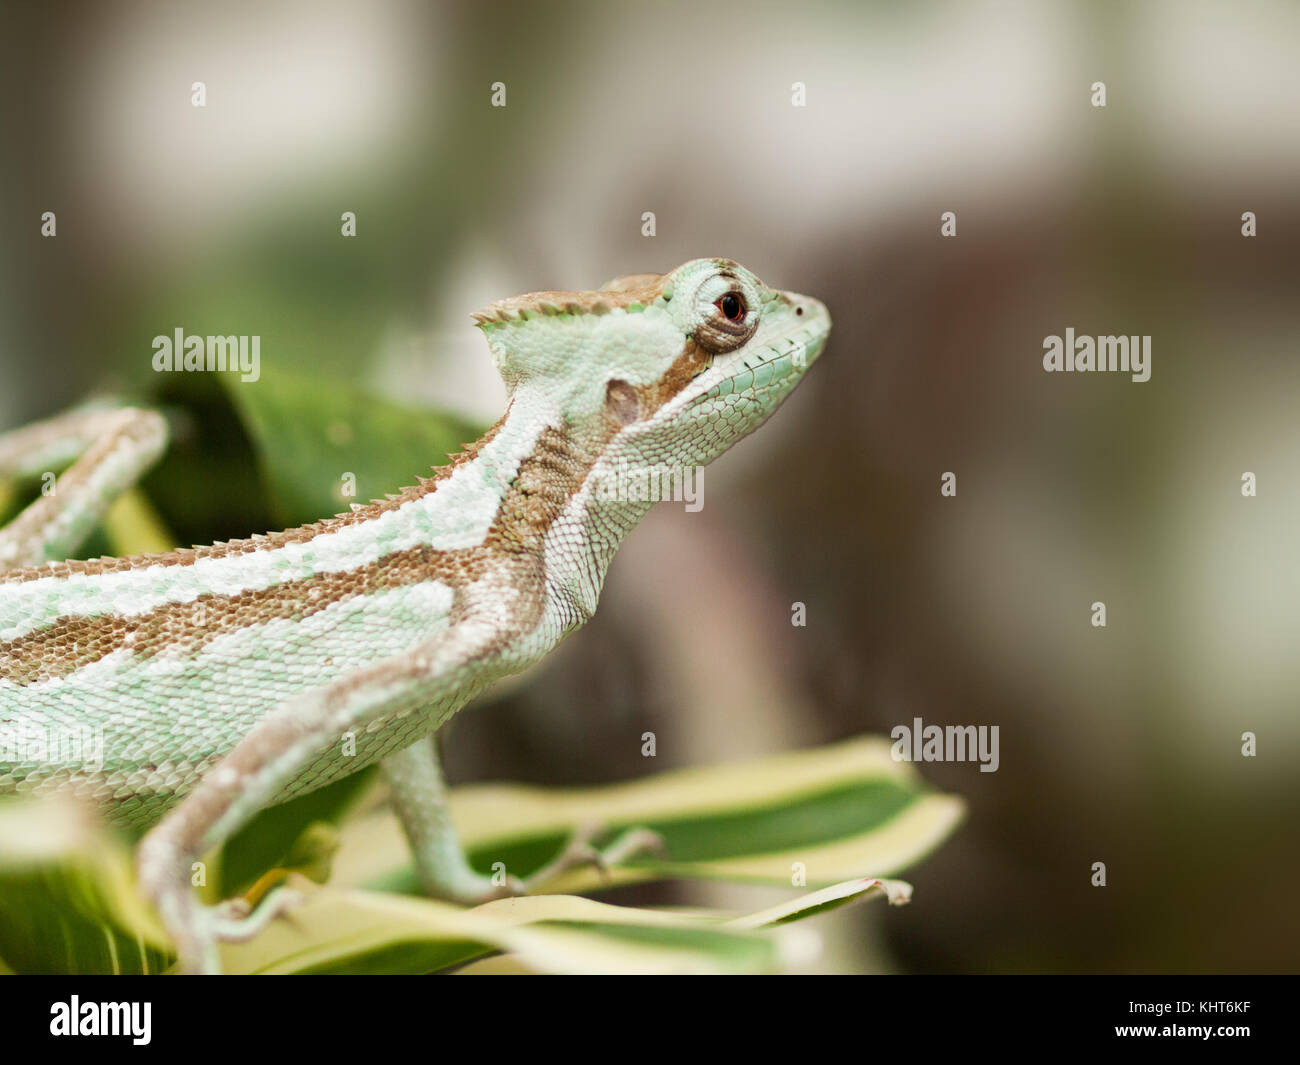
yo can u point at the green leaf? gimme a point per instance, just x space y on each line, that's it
897 892
312 433
835 813
270 839
133 526
359 931
68 902
367 932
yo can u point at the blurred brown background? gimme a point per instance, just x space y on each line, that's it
1120 745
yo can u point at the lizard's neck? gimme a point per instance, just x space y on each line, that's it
492 492
535 475
532 486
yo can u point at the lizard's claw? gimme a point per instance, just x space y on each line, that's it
580 851
235 920
629 844
196 930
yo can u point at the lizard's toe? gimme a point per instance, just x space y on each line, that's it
235 921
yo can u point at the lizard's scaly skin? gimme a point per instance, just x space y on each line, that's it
155 670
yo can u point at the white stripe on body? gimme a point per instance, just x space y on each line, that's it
458 514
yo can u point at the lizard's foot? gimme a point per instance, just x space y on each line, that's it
196 930
580 850
231 921
235 920
471 888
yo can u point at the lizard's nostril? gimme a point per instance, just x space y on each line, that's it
798 310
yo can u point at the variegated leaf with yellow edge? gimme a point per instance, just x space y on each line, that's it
816 817
354 931
831 818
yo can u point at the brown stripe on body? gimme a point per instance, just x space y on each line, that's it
547 479
301 534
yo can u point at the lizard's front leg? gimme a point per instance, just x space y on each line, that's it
433 678
419 795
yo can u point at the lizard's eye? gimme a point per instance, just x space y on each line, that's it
732 306
728 314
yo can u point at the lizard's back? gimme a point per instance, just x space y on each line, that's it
126 679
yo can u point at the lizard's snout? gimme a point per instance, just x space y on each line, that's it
811 312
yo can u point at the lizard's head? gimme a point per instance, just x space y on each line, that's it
667 369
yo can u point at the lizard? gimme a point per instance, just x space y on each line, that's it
226 678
